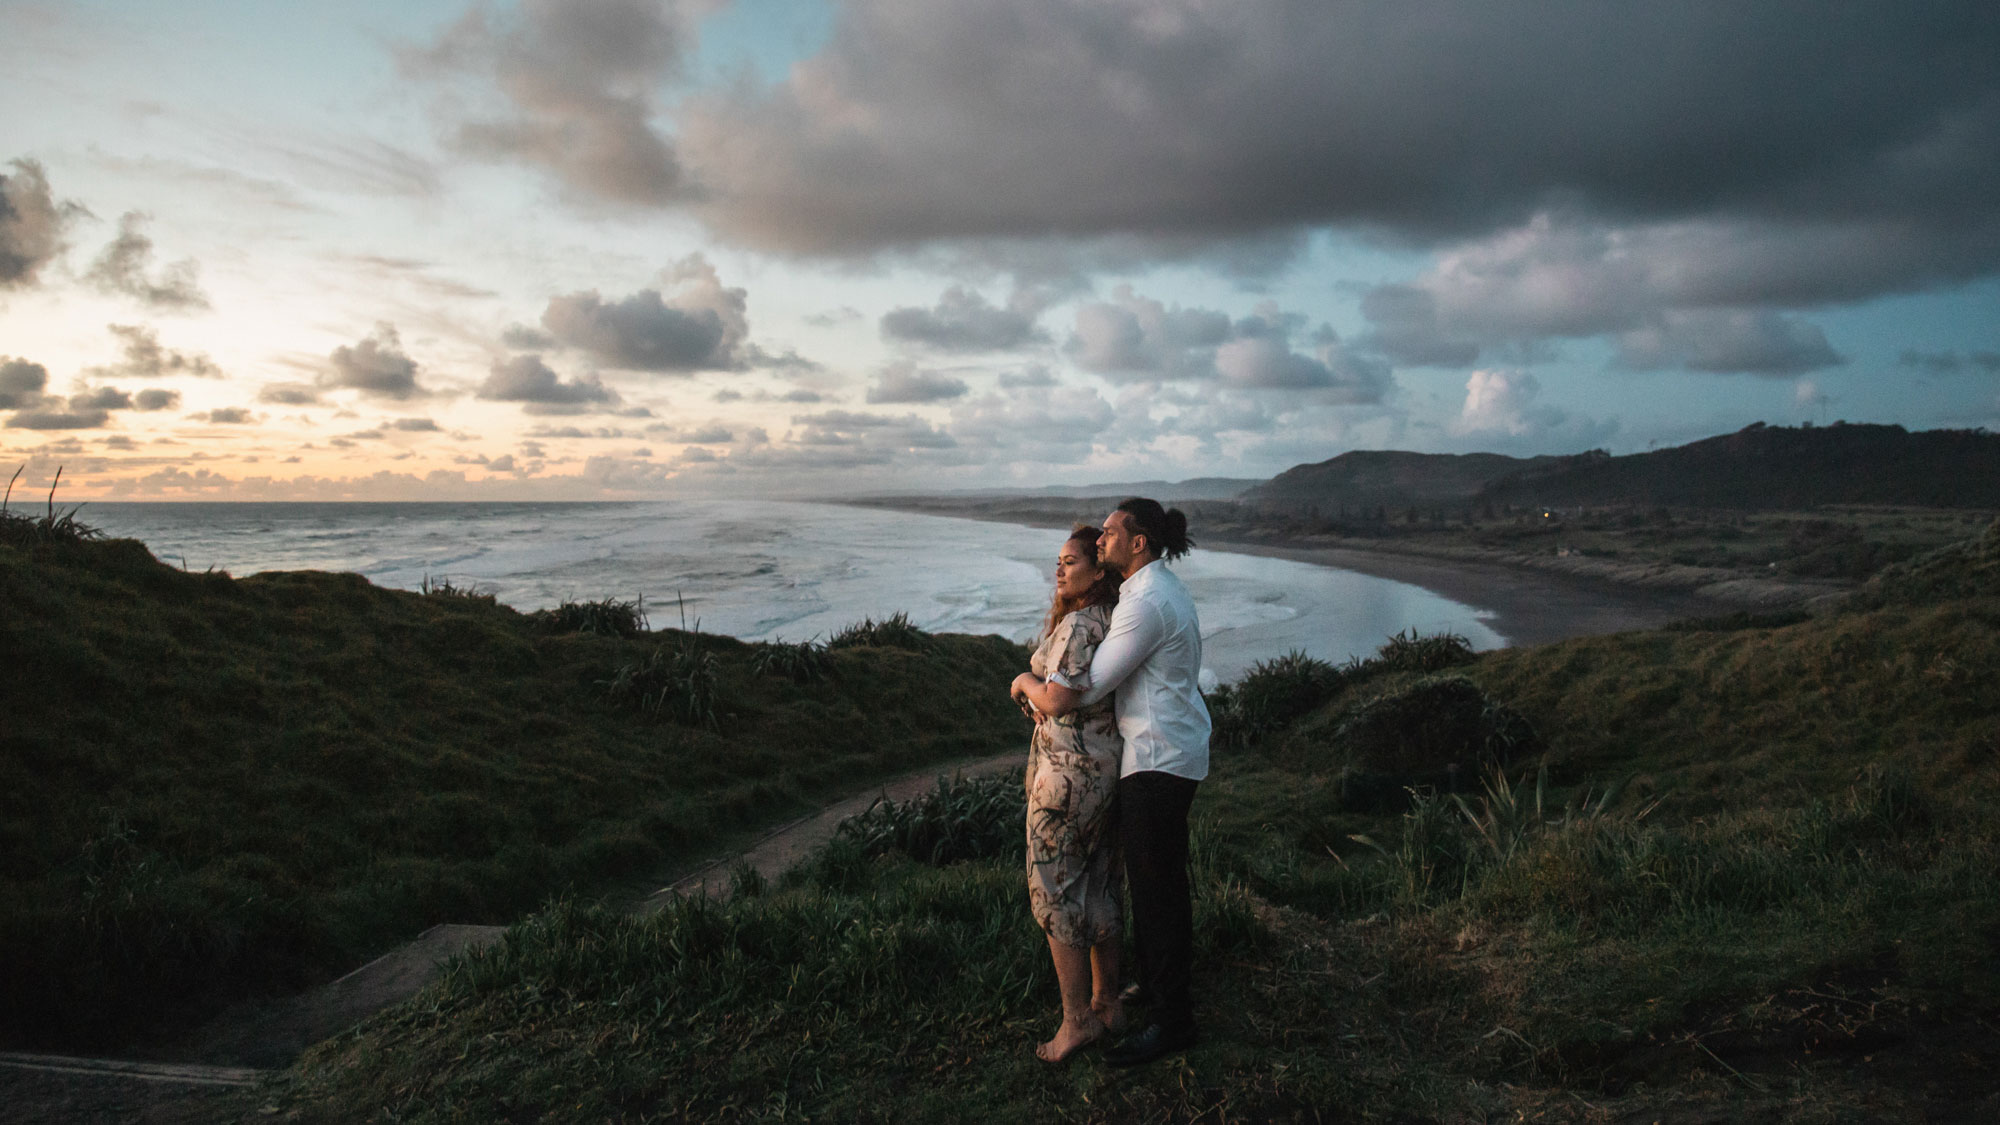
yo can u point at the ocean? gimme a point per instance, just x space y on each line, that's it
771 570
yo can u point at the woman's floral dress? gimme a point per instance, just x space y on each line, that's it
1075 874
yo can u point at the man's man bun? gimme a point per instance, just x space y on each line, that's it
1165 529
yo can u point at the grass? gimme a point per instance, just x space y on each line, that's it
606 617
1744 872
894 631
216 788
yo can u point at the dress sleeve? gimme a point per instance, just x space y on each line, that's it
1071 647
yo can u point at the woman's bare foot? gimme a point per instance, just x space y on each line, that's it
1110 1013
1070 1038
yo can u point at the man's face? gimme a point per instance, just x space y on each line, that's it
1118 547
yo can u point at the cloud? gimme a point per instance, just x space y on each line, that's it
1403 325
903 382
57 419
144 358
154 398
32 224
100 398
1808 395
569 86
1427 118
375 366
289 394
712 434
1060 427
21 383
701 327
963 321
414 425
1950 362
526 379
502 464
879 435
121 267
1033 375
1501 409
1131 336
1268 361
1758 343
228 416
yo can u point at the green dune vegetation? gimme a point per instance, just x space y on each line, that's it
215 788
1736 869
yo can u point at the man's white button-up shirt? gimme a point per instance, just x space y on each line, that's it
1151 659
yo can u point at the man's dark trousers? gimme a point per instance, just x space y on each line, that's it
1153 828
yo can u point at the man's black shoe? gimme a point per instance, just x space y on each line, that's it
1136 993
1154 1042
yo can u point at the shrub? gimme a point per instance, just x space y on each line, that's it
894 631
1408 652
961 819
802 662
1271 695
1435 732
677 680
607 617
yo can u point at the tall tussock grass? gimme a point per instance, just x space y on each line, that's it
605 617
52 526
893 631
802 662
677 681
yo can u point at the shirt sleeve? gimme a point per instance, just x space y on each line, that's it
1137 628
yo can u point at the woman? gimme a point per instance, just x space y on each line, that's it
1074 876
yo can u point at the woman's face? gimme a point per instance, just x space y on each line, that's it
1076 569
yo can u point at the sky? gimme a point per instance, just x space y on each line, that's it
580 249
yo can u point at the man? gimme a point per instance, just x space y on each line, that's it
1151 659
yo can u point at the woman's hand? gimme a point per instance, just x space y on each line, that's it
1020 693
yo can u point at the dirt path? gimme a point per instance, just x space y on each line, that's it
204 1076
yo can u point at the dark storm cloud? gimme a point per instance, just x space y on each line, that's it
964 321
567 85
375 366
31 223
702 326
144 358
525 378
923 121
904 382
21 383
122 267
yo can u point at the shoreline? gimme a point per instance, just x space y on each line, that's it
1526 599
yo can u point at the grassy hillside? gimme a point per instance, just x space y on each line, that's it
1737 870
214 787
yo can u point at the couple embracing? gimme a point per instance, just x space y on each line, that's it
1120 744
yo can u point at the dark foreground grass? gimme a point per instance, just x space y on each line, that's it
213 788
1749 878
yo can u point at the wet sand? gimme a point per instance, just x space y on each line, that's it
1526 607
